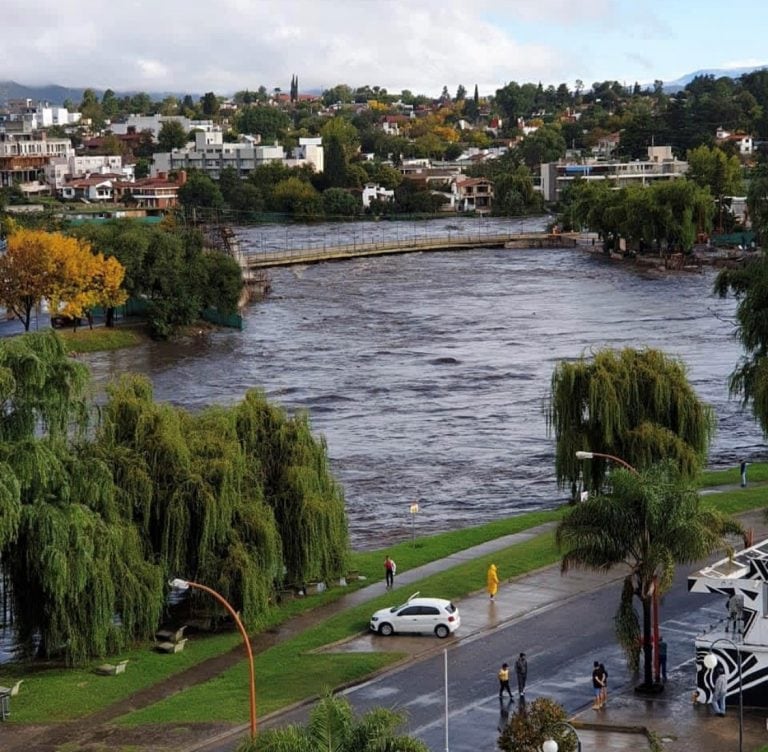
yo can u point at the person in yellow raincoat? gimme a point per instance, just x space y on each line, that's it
492 581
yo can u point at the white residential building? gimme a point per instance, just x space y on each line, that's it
210 154
660 165
61 169
23 159
153 124
744 142
373 191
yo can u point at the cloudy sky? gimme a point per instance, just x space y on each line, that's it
421 45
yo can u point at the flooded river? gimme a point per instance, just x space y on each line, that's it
428 373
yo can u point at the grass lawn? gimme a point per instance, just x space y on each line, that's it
85 340
292 671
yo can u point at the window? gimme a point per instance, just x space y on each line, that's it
410 611
430 611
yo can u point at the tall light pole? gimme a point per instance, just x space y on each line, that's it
710 661
179 584
655 583
550 745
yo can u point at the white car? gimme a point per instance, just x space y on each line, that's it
417 615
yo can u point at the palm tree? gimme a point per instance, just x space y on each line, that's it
333 727
650 522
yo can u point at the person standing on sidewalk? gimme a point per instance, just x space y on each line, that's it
597 685
504 681
389 572
663 659
492 581
720 690
521 671
743 469
604 687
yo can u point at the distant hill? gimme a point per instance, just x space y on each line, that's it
672 86
57 94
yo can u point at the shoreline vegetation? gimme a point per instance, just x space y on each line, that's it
65 694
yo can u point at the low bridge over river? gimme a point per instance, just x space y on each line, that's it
325 249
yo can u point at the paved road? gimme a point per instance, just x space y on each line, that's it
560 641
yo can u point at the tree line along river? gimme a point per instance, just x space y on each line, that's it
428 373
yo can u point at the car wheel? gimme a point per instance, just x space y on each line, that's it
442 631
386 629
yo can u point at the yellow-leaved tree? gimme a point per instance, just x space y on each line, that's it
62 269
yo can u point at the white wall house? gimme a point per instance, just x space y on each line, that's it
744 142
373 191
61 169
45 117
23 158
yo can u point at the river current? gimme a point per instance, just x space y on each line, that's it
428 373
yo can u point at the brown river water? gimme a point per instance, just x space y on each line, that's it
428 373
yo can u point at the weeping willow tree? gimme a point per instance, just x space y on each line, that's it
635 404
749 380
238 498
292 466
650 522
79 580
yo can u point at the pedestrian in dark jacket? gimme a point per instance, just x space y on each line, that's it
521 670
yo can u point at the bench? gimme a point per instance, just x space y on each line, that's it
171 647
111 669
170 635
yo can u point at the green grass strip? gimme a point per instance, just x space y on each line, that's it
100 339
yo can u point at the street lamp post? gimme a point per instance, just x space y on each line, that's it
710 661
179 584
655 584
550 745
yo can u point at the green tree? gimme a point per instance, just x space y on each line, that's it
199 192
210 104
73 565
650 522
333 726
110 107
633 404
340 203
757 200
269 123
527 731
296 196
749 380
172 136
334 163
546 144
711 168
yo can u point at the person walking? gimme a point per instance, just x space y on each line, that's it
492 581
504 681
521 671
720 690
389 572
743 470
663 659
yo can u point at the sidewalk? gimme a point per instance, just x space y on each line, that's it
622 726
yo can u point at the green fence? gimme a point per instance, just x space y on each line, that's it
744 239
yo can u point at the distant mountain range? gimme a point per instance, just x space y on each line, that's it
680 83
57 94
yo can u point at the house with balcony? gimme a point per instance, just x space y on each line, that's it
660 165
24 157
472 195
153 193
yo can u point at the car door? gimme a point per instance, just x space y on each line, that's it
430 618
408 619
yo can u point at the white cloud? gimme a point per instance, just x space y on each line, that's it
188 45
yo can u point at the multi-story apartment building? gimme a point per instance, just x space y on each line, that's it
660 165
153 124
59 170
23 158
210 154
